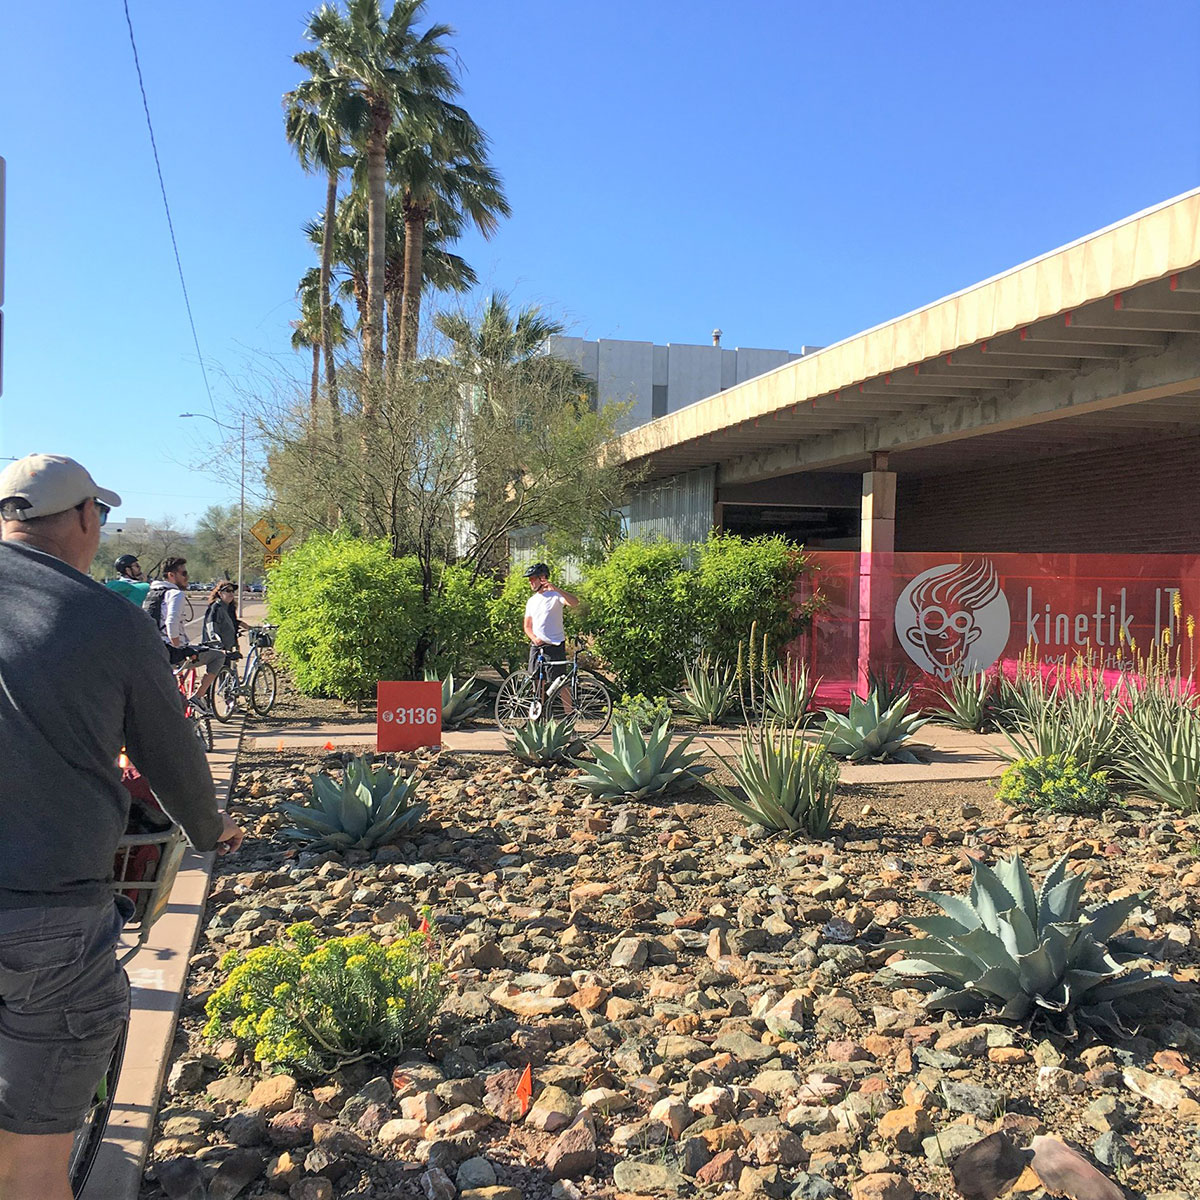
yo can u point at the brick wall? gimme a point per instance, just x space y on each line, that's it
1141 499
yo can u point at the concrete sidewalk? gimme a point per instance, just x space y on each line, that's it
951 755
157 975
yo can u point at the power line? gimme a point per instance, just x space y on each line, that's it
170 224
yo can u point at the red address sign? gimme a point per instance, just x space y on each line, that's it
409 715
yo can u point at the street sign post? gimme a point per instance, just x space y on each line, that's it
272 534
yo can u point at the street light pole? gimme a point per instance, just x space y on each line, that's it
241 502
242 519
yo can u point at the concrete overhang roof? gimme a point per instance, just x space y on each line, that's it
1119 308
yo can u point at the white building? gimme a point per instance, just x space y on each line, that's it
657 380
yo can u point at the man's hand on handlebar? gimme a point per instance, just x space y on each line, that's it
231 835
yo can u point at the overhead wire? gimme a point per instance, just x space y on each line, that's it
170 224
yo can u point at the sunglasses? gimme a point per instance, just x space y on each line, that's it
102 510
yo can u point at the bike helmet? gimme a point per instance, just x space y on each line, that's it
538 568
125 562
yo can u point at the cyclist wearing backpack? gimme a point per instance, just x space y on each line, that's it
164 603
65 712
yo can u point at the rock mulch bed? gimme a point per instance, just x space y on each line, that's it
698 1004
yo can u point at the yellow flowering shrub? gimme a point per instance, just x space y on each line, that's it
313 1006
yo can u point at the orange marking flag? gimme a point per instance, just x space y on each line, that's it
525 1089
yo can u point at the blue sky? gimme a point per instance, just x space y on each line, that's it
792 172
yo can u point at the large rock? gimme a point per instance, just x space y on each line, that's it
648 1178
1064 1170
573 1153
236 1173
882 1186
988 1168
905 1127
274 1094
553 1110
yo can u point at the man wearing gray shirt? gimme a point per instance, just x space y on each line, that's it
82 674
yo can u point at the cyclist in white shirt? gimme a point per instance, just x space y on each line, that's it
544 625
165 603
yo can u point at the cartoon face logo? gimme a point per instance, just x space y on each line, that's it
954 619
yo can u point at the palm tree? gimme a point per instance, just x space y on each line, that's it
319 118
393 71
503 349
443 270
439 165
321 328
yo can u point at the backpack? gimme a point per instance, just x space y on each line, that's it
153 606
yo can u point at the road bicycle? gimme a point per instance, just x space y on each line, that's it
146 864
256 684
532 695
186 677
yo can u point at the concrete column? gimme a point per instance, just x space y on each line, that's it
879 507
876 586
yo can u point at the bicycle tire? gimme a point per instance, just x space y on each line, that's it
262 688
591 705
90 1135
515 701
203 727
224 694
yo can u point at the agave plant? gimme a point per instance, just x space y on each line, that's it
459 703
889 683
710 690
970 702
788 692
370 807
641 765
788 784
1025 955
537 743
871 732
1162 758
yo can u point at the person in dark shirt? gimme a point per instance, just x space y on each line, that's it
82 674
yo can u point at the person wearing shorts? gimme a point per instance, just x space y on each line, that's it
544 625
84 674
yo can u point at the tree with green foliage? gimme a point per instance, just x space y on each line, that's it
390 68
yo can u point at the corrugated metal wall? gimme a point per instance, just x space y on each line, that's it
679 509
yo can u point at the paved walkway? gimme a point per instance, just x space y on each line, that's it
951 755
157 974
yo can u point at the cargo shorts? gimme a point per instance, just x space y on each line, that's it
63 1001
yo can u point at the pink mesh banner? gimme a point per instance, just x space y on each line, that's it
940 615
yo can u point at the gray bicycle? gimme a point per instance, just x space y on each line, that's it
256 684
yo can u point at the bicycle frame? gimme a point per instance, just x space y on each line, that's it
541 674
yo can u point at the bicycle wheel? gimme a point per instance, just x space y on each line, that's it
590 703
516 700
225 694
203 727
262 688
90 1135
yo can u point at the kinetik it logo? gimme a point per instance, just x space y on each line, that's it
954 619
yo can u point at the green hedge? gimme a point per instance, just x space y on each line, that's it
652 606
350 614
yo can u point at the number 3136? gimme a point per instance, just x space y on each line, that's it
411 716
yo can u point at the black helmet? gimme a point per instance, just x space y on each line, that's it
537 569
125 562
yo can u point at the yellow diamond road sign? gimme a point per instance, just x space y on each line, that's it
272 534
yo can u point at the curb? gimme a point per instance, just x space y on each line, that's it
157 976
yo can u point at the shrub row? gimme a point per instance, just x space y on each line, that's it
350 614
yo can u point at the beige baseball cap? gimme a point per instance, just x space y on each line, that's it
40 485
